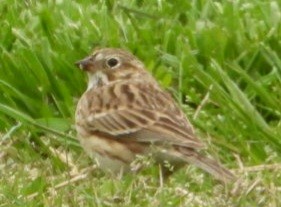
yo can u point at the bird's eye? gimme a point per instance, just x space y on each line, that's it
112 62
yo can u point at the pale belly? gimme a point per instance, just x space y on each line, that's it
110 155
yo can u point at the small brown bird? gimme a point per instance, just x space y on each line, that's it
124 112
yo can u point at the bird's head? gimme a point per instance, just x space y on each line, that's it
109 65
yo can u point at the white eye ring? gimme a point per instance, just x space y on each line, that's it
112 62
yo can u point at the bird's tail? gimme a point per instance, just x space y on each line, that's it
207 164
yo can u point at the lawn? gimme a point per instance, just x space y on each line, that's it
220 60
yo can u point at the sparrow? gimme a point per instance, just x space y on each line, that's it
124 113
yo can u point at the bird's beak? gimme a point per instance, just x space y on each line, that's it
84 64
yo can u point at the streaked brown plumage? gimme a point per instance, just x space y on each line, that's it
124 112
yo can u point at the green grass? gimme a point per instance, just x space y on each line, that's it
226 53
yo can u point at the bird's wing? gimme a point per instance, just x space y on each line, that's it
139 111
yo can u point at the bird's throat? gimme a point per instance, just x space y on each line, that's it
97 79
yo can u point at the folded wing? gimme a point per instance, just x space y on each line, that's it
139 111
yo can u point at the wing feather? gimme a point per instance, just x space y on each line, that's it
140 111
